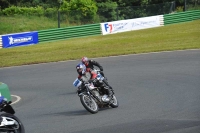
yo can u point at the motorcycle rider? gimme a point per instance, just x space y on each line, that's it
2 123
1 119
89 75
91 63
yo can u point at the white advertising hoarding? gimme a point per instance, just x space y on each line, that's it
131 24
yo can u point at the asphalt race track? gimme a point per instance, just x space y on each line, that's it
157 93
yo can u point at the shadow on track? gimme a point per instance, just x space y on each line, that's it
77 112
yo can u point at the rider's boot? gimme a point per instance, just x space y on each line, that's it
109 92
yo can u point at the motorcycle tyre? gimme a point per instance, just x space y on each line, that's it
21 128
116 103
86 107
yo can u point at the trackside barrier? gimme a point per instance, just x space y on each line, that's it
1 44
161 20
4 91
181 17
114 27
69 32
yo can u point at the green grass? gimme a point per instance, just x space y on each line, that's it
20 23
167 38
16 24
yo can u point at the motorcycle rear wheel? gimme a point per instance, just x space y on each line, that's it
89 104
17 128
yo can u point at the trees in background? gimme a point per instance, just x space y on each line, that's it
54 3
92 10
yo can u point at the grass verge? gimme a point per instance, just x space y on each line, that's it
16 24
167 38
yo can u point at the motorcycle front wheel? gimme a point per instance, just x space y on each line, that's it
89 104
114 102
17 127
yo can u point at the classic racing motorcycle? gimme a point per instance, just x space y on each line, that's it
9 122
92 97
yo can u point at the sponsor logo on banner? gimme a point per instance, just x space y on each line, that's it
119 26
144 23
20 39
108 27
114 27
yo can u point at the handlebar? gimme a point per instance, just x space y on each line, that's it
5 103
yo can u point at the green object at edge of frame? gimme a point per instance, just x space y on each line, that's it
4 91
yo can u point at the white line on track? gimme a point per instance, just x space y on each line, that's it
18 99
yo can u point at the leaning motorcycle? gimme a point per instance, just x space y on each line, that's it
93 98
11 124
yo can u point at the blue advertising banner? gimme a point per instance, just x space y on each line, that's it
20 39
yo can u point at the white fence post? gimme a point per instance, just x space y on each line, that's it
161 20
1 43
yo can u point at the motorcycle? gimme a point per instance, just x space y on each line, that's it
92 97
9 123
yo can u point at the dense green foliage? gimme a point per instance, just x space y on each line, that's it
55 3
87 8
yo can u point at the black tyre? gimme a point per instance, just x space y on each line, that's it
114 102
89 104
18 127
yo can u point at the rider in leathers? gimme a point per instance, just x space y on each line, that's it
91 63
1 100
2 123
89 75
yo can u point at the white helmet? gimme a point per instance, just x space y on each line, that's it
81 69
